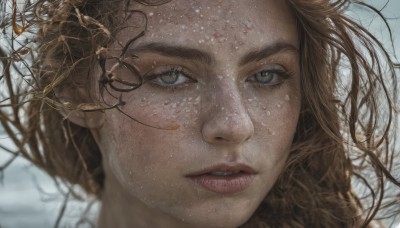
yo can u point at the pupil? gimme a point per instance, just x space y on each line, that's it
170 78
264 77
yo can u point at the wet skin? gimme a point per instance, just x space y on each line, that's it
226 75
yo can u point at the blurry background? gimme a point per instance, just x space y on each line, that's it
30 198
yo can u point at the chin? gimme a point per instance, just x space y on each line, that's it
226 216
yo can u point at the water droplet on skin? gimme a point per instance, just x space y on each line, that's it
263 124
250 100
197 11
167 102
264 107
271 132
187 110
279 105
287 97
268 113
174 105
222 108
248 24
151 14
197 100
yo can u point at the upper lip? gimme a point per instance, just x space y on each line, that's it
236 167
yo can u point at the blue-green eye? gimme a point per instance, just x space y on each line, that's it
173 77
170 77
264 77
269 77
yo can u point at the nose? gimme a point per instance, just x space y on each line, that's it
226 120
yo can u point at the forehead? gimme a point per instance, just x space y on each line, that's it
218 23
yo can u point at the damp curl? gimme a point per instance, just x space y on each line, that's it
345 135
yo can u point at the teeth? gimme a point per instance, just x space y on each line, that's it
224 173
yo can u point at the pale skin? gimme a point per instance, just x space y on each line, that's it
224 111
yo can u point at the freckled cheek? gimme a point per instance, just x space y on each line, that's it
274 115
163 111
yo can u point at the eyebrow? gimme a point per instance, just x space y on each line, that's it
174 51
204 57
266 52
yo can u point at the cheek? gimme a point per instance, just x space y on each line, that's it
275 114
162 111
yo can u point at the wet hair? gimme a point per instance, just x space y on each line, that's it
344 138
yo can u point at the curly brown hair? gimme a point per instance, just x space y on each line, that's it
346 130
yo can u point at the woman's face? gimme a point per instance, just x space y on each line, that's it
224 75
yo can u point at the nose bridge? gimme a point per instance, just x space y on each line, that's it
226 118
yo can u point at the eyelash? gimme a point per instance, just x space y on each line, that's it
282 73
171 69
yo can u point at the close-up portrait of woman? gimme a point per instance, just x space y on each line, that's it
211 113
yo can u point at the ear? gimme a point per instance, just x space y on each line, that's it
82 110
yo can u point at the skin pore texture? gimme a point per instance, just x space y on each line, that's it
226 74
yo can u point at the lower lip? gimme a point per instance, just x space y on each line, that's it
224 184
